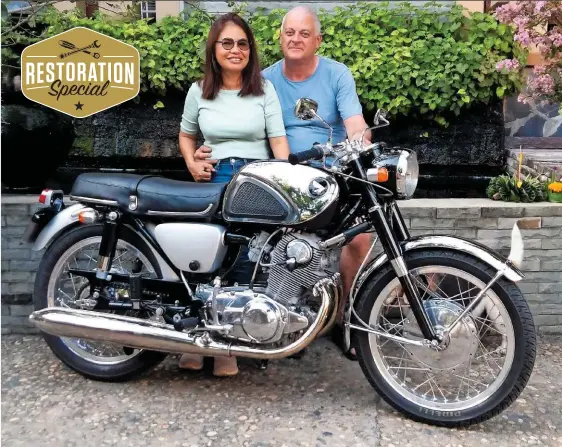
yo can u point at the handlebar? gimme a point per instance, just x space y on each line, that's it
314 153
319 151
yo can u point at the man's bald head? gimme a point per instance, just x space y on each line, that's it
300 13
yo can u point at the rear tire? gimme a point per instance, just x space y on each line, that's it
113 372
424 410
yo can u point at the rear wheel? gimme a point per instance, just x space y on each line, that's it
55 286
489 356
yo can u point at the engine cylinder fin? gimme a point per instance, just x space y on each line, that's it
288 286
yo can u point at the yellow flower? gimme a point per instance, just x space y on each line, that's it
555 187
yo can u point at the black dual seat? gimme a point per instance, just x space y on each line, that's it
152 195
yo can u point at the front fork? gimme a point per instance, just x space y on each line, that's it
390 243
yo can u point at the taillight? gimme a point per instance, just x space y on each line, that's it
88 216
45 197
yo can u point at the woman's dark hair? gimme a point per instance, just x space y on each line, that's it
252 81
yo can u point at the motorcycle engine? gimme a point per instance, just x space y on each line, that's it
288 284
286 307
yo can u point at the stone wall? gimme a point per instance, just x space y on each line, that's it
19 264
487 221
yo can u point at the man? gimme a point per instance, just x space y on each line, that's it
302 73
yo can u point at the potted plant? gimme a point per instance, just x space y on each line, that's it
508 188
554 190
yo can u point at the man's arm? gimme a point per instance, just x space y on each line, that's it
356 124
350 108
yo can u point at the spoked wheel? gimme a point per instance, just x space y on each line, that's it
482 366
55 286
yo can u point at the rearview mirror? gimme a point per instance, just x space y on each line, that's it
305 109
381 114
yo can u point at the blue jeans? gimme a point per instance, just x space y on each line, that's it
225 170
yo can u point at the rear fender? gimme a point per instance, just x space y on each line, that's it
69 217
62 220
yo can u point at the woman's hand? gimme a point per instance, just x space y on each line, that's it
200 170
202 165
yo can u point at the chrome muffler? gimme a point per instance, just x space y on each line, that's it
144 334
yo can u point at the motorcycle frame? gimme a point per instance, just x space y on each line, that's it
384 215
113 220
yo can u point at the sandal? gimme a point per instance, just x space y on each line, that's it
337 338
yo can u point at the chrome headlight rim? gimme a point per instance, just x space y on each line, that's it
407 174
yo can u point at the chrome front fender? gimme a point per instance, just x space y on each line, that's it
490 257
65 218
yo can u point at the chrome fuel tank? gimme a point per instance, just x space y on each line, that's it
276 192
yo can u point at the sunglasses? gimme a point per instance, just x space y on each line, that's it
228 44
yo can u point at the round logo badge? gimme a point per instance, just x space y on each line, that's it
318 187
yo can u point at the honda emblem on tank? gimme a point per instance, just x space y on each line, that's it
318 187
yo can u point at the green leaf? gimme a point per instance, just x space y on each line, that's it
5 13
158 105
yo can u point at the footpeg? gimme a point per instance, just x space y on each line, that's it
180 324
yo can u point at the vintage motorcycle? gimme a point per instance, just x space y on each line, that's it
136 269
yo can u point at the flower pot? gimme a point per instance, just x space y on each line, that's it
555 197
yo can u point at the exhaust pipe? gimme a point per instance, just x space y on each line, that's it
337 294
143 334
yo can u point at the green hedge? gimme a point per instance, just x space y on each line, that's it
407 59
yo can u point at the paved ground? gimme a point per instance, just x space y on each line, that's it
321 400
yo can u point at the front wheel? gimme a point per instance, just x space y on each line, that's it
55 286
487 359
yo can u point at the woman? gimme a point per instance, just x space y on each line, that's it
240 117
234 107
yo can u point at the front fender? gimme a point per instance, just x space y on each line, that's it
490 257
63 219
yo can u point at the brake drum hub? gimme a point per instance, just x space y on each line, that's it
456 349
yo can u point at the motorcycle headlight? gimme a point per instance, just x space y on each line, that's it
403 169
407 174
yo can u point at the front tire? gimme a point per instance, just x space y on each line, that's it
448 388
94 360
